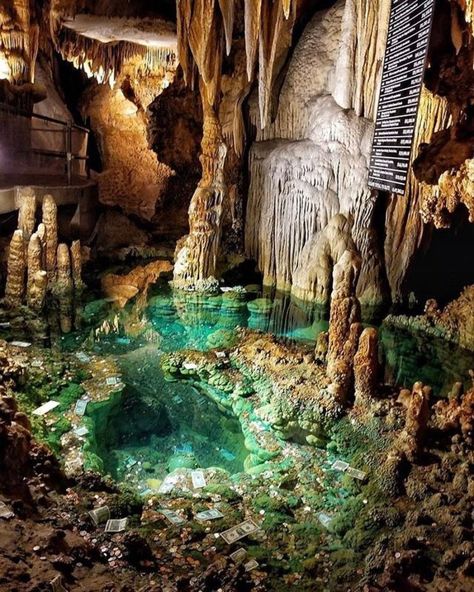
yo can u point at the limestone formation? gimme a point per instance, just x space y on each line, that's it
64 288
50 221
34 258
416 422
15 287
344 325
366 368
26 211
76 266
37 289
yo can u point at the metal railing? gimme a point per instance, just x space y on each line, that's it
69 144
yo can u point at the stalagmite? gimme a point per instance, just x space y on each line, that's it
50 221
366 368
37 288
64 288
34 259
15 286
197 258
344 326
27 211
76 265
418 413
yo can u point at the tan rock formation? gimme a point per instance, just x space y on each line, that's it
76 266
26 200
37 289
410 441
64 288
34 259
124 287
366 368
15 286
344 326
50 221
198 256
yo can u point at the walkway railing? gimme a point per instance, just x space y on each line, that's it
29 137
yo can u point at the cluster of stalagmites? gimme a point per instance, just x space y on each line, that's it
38 265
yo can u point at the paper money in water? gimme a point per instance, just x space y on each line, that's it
250 565
190 366
116 525
80 407
46 408
112 380
172 516
340 465
82 357
239 531
361 475
325 519
209 515
100 515
239 555
168 484
81 431
5 325
198 478
227 454
5 511
20 343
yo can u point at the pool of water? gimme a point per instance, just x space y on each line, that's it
156 426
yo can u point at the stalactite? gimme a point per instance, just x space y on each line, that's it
50 214
227 10
26 200
15 286
253 9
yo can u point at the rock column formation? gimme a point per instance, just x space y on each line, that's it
15 287
64 288
344 325
27 211
50 221
198 256
366 368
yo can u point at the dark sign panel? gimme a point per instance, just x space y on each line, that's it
402 79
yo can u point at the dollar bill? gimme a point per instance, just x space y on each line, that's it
198 479
46 408
100 515
172 516
80 407
209 515
112 380
340 465
239 555
250 565
116 525
239 531
21 343
82 357
361 475
325 519
81 431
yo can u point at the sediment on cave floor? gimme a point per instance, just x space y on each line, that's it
236 296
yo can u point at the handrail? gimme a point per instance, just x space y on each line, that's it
68 126
14 110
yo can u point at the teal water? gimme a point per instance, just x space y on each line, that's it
158 425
